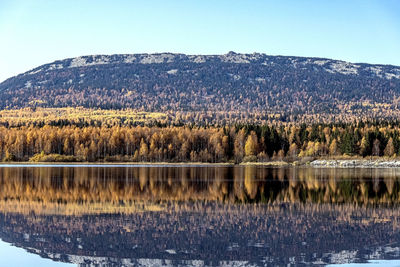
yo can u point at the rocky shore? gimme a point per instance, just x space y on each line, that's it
357 163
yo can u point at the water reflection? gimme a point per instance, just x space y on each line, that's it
66 189
201 215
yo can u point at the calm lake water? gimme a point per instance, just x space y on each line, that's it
198 216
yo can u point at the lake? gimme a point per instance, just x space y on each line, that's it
127 215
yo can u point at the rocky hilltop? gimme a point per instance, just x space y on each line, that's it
284 86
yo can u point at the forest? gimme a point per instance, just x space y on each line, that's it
233 143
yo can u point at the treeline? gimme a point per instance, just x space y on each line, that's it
198 144
84 117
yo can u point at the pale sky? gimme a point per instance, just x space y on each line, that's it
35 32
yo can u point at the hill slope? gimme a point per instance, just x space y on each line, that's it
232 82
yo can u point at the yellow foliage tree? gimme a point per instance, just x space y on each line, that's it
250 149
389 149
333 148
144 150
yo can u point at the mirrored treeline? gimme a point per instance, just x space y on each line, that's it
250 184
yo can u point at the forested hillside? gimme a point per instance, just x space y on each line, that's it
287 88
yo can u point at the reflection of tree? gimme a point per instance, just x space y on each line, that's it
249 182
116 185
238 184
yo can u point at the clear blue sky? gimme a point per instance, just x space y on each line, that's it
38 31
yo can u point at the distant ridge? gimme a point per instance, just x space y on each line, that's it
232 82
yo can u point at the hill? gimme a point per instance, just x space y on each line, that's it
285 87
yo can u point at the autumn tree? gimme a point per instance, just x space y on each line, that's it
238 146
333 148
389 149
293 150
144 150
376 150
251 145
365 146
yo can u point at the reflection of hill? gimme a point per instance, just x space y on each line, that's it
211 233
170 214
69 190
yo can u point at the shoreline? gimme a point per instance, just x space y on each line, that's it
138 164
317 163
356 163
